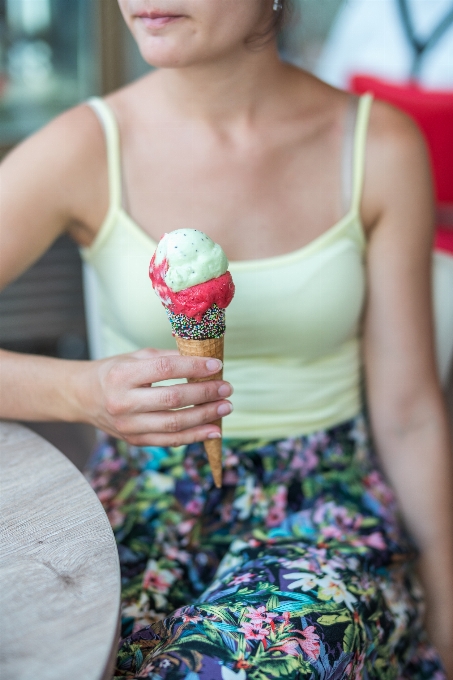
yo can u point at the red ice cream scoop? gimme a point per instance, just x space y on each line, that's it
193 302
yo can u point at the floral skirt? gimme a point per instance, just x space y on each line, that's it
298 567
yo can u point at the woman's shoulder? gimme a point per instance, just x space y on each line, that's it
395 153
65 142
388 124
393 131
68 152
396 159
82 161
69 138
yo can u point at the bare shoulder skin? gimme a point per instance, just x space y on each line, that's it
54 182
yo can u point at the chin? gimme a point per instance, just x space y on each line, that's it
182 47
169 47
171 54
161 56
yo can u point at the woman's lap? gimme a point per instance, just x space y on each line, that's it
296 568
274 627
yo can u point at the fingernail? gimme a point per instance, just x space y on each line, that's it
224 409
214 435
214 365
225 390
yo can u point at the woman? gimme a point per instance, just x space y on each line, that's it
299 567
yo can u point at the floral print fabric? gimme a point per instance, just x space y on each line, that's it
297 568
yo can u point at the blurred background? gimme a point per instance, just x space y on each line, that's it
54 54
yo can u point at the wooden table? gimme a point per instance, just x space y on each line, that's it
59 571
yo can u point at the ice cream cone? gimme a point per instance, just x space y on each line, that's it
212 347
189 273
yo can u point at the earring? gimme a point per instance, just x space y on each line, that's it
277 5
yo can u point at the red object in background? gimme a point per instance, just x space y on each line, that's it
432 110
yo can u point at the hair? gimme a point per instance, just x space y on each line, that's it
279 19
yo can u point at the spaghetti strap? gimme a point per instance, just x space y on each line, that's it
360 137
112 140
347 161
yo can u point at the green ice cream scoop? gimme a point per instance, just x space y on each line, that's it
192 258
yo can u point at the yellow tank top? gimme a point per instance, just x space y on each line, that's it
292 354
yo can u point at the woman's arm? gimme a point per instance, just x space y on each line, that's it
407 412
56 182
116 395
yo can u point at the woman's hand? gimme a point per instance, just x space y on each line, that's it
119 396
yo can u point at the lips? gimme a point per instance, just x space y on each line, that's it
157 19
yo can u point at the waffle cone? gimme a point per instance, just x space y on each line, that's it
212 347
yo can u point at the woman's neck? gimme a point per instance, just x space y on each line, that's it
229 89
